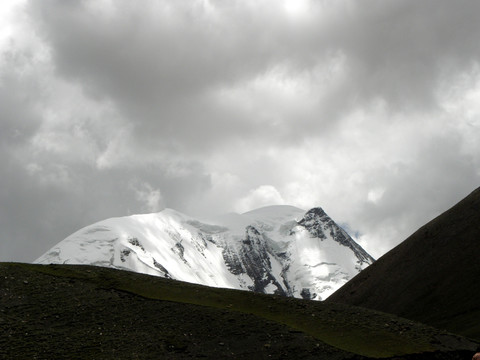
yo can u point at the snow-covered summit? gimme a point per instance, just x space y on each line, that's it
274 250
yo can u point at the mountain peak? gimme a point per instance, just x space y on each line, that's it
321 226
266 250
316 211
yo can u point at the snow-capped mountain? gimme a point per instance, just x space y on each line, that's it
274 250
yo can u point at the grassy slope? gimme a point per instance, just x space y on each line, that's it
431 277
320 330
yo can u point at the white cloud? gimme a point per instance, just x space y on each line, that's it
117 149
375 195
264 195
10 12
296 8
150 198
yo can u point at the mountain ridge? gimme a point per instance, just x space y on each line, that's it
276 249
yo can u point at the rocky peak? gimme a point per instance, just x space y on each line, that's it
318 224
315 221
315 212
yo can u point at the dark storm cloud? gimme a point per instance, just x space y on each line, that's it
157 61
400 49
112 108
17 98
154 61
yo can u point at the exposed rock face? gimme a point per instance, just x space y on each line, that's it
317 222
276 250
255 255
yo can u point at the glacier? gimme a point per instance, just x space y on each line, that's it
279 250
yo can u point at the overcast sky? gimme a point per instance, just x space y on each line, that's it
369 109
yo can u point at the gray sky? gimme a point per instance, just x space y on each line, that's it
369 109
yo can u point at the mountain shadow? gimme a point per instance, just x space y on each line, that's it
432 277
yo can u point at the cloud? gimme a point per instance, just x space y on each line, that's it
369 110
152 198
262 196
163 64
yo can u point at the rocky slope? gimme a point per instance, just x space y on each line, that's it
431 277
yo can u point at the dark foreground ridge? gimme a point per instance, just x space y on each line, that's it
85 312
432 277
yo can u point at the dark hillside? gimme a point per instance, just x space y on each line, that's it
432 277
85 312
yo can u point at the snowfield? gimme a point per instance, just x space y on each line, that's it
275 250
